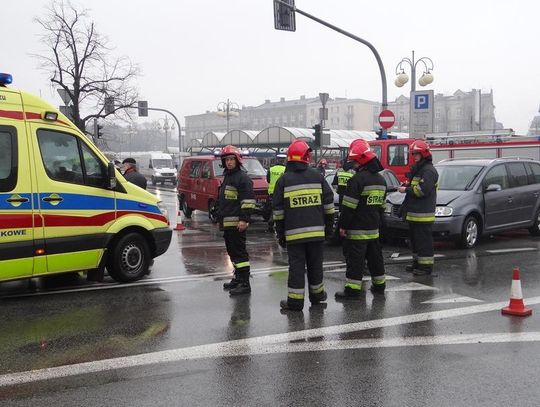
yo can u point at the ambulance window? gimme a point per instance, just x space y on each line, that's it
8 159
60 155
398 154
95 171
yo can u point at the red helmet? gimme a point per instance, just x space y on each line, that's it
323 161
420 146
299 151
359 151
231 150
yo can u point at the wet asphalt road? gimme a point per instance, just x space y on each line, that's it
176 338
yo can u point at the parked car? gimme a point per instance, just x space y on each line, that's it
479 196
392 184
199 180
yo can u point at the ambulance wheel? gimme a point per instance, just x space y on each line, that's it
130 258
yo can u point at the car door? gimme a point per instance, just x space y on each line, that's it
205 185
533 170
497 204
194 184
16 204
74 203
524 199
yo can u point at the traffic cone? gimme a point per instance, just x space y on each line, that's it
179 225
516 306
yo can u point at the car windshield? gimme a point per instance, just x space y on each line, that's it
162 163
457 177
253 167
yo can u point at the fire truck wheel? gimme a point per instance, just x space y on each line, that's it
535 228
212 211
130 258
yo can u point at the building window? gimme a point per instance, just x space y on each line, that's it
312 112
437 114
458 112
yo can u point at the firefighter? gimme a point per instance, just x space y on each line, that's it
342 177
360 218
273 174
321 167
236 202
303 209
419 208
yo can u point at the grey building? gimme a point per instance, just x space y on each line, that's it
461 111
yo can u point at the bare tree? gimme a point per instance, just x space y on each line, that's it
79 61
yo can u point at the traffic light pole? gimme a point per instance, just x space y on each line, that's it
354 37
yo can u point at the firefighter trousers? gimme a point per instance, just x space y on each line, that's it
235 242
421 238
356 253
304 256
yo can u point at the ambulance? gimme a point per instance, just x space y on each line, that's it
63 206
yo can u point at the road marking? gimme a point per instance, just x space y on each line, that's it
451 298
412 287
265 344
400 258
518 249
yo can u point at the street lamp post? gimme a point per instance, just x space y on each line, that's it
165 127
228 109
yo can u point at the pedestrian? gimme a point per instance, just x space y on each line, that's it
321 167
360 218
272 175
342 177
303 209
419 208
131 174
236 202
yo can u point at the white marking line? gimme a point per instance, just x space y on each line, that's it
400 258
451 298
519 249
153 281
412 287
263 343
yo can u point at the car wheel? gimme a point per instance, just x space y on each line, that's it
212 211
154 181
130 258
535 228
186 210
469 233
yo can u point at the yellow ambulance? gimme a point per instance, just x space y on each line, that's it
63 206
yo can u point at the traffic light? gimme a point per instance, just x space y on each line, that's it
98 133
109 104
142 106
317 134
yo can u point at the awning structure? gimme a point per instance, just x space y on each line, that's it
239 137
212 139
282 136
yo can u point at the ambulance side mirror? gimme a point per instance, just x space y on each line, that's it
111 176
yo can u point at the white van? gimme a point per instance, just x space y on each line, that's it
158 167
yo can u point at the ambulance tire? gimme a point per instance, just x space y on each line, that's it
130 258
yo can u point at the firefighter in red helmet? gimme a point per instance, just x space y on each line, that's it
322 166
418 208
236 202
303 209
359 221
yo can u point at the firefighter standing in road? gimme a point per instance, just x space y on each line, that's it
274 173
236 202
303 205
419 208
322 166
360 218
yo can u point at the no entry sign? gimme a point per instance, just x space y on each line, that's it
387 119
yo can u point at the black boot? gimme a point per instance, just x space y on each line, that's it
423 270
377 288
291 305
243 287
348 294
318 298
411 267
231 284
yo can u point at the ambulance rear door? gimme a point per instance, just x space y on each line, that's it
74 201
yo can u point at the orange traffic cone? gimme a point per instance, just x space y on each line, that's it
179 225
516 306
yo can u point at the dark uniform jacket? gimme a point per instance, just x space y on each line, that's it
236 198
363 203
303 205
421 198
341 179
135 178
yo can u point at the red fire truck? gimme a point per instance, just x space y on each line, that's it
395 153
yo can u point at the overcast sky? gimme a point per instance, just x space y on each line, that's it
195 54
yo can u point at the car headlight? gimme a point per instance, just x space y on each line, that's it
163 209
442 211
387 207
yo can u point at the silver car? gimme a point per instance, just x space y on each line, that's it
479 196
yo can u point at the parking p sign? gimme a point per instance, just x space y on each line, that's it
421 101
